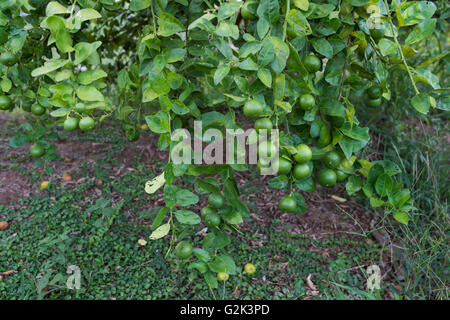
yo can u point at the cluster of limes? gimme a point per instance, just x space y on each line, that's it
335 170
7 59
302 170
211 218
209 213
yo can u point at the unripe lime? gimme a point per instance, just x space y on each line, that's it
70 124
183 250
304 153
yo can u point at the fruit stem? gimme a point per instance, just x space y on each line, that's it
400 48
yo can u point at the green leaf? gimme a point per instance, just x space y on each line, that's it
61 112
203 23
358 3
137 5
223 263
84 49
279 86
48 67
269 10
168 25
249 48
221 72
421 102
88 14
383 186
59 32
89 93
265 76
353 185
19 140
179 107
279 182
267 54
332 107
211 280
298 23
227 29
54 7
322 46
418 11
90 76
248 64
187 217
158 123
281 54
387 47
221 240
202 254
422 31
307 184
186 198
232 216
401 197
302 4
401 217
301 206
159 218
227 10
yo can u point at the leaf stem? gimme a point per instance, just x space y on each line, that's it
288 8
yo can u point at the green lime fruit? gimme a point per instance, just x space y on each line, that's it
263 124
327 178
212 220
37 109
301 171
70 124
307 102
374 92
205 211
86 123
332 159
36 151
5 102
304 153
287 204
312 63
26 105
216 200
8 59
284 166
183 250
253 109
378 32
373 103
80 108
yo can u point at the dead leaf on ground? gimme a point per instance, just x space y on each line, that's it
312 286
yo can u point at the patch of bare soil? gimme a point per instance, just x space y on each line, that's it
15 184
